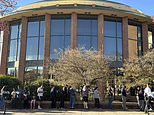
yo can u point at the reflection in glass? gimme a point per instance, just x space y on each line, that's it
135 37
35 43
60 35
113 41
1 44
14 48
110 48
11 71
32 48
87 32
33 28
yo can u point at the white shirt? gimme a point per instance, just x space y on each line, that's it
147 91
40 91
96 94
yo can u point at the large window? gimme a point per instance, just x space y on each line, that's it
135 47
87 32
60 35
14 48
35 43
1 44
113 41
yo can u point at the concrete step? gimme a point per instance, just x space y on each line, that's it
79 105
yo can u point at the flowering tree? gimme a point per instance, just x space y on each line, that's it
5 7
141 70
79 67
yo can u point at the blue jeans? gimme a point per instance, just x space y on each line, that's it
110 102
72 101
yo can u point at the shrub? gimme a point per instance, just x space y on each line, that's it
37 83
10 82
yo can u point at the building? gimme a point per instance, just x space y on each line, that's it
39 30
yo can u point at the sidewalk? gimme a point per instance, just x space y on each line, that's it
74 112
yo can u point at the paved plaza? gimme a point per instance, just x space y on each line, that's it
74 112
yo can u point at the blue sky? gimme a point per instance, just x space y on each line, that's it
146 6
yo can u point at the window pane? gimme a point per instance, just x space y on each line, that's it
84 42
1 36
132 32
67 26
41 48
40 70
119 42
1 44
27 69
132 45
67 42
32 49
57 27
56 45
42 28
119 29
95 43
13 49
109 28
150 37
33 28
84 27
94 27
11 72
14 32
18 54
110 48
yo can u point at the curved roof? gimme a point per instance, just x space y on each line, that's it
79 6
99 4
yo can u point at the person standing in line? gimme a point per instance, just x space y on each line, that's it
110 97
62 97
147 90
141 100
13 98
96 98
137 95
72 97
124 94
85 97
2 91
33 101
53 94
146 98
40 96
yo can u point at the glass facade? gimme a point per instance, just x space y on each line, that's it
135 47
60 39
14 48
87 32
35 43
60 34
1 44
113 41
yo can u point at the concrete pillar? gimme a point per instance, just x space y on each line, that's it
125 39
73 30
23 42
4 57
47 45
101 34
145 37
101 83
